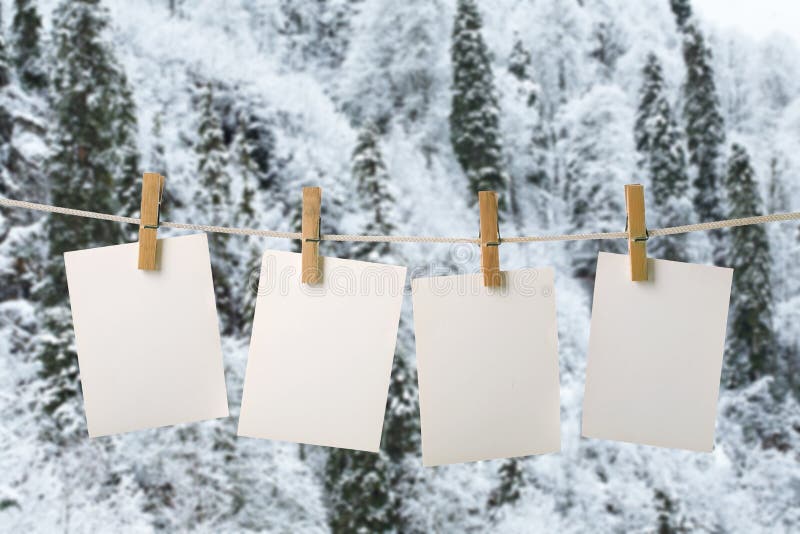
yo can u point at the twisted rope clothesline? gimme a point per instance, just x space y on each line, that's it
759 219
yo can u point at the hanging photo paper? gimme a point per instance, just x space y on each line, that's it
655 353
488 366
321 355
148 341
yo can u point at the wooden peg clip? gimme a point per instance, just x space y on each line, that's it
312 208
490 239
152 194
637 231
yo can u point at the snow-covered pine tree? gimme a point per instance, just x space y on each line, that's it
705 133
650 93
662 159
80 168
508 489
81 172
128 172
25 31
213 203
401 428
212 159
597 164
357 489
244 149
751 349
400 440
254 146
21 234
475 114
682 9
248 275
365 490
372 186
246 211
5 71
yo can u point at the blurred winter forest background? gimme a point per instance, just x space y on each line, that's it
401 111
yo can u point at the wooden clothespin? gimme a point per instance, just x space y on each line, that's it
490 239
637 231
152 194
312 202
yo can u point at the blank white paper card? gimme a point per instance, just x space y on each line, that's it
148 341
321 355
655 353
488 366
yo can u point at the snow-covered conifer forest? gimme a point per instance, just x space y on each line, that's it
401 111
